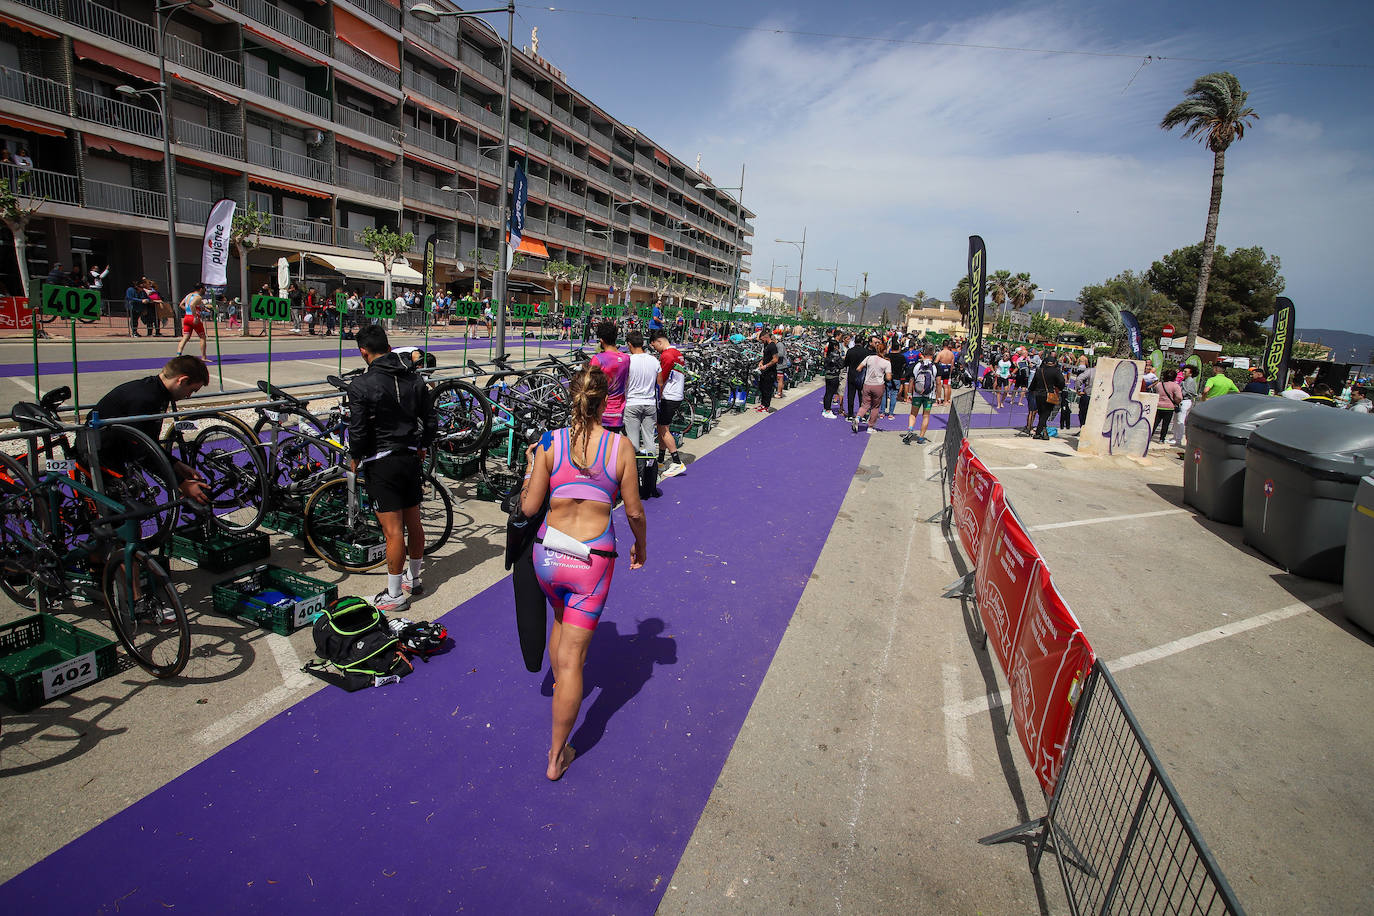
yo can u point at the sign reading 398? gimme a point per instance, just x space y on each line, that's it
379 308
71 302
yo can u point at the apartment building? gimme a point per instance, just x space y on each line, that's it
333 117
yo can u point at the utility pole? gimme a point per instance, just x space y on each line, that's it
864 297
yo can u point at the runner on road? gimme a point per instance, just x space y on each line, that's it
192 307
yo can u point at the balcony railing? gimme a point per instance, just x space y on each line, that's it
208 139
569 158
102 195
442 35
361 62
32 90
365 123
560 193
489 212
114 113
194 57
190 210
37 183
427 141
478 113
51 7
473 58
273 88
286 161
301 230
475 160
430 194
369 184
283 22
124 29
421 83
380 10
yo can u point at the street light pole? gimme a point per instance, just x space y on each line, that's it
739 255
834 280
1043 294
427 12
801 264
476 229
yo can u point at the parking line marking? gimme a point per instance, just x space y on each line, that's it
1110 518
956 726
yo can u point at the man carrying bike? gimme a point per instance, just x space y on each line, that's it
391 424
182 377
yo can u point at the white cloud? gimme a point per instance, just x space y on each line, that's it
891 155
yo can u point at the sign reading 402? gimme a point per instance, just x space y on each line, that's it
71 302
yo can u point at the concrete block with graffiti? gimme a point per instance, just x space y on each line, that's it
1120 415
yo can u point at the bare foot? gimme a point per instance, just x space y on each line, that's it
558 765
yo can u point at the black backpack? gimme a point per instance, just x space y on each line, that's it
353 637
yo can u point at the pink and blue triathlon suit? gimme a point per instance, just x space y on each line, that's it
574 586
616 365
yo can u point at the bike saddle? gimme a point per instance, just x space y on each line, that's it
31 416
337 382
278 394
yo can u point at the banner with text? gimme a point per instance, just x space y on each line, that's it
977 292
214 254
1005 570
1280 349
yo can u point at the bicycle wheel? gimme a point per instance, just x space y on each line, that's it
137 475
436 513
464 417
235 481
146 613
23 520
347 537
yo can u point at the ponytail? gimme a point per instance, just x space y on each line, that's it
587 391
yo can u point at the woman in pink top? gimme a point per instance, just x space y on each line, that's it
1170 397
581 470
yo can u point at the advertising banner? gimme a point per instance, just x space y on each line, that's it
431 246
1280 348
1050 662
973 484
1006 568
977 292
214 253
15 313
1133 338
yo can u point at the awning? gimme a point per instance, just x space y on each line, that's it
219 95
365 147
36 31
418 157
599 156
358 46
662 157
111 59
298 50
188 160
524 286
655 243
362 269
119 147
283 186
46 130
530 246
367 39
429 107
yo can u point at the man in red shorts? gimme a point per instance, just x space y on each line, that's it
192 307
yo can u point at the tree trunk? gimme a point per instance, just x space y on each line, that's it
1209 248
244 330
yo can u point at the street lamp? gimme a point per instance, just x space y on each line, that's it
1043 294
158 94
703 186
476 230
834 279
801 247
428 12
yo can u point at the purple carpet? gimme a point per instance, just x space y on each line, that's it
430 795
476 347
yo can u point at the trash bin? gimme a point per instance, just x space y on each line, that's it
1214 458
1359 549
1301 474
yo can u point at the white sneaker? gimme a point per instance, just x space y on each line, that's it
854 424
872 430
828 415
388 603
411 586
673 469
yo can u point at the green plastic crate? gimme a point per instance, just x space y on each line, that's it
286 520
457 467
41 658
243 596
217 550
358 552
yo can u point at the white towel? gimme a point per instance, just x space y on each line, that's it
566 544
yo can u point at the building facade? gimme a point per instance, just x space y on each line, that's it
331 118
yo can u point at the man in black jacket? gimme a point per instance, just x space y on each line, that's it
391 423
854 378
1046 379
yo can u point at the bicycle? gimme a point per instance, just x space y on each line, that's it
55 528
229 459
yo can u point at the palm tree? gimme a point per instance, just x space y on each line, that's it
999 287
1022 290
962 297
1215 112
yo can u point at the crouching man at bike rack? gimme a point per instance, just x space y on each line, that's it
391 425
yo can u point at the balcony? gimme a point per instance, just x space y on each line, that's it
473 59
198 136
51 7
273 88
562 194
114 113
431 195
597 209
196 212
475 160
441 35
420 83
286 24
286 161
430 143
569 158
51 186
365 123
478 113
369 184
300 230
602 137
345 52
116 26
102 195
379 10
194 57
526 92
33 90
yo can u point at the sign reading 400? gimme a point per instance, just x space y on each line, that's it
269 308
71 302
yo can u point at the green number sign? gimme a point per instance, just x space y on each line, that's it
341 303
646 313
379 308
468 308
269 308
613 311
522 311
574 311
71 302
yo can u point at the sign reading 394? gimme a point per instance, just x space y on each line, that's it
269 308
71 302
379 308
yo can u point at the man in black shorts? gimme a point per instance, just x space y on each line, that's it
391 423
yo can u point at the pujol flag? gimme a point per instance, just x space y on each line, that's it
214 254
431 244
1133 334
1280 348
519 193
977 291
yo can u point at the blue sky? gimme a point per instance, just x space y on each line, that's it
892 152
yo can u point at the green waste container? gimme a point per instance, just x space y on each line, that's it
1214 460
1359 552
1301 474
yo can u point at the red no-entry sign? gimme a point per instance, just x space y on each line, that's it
1167 331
